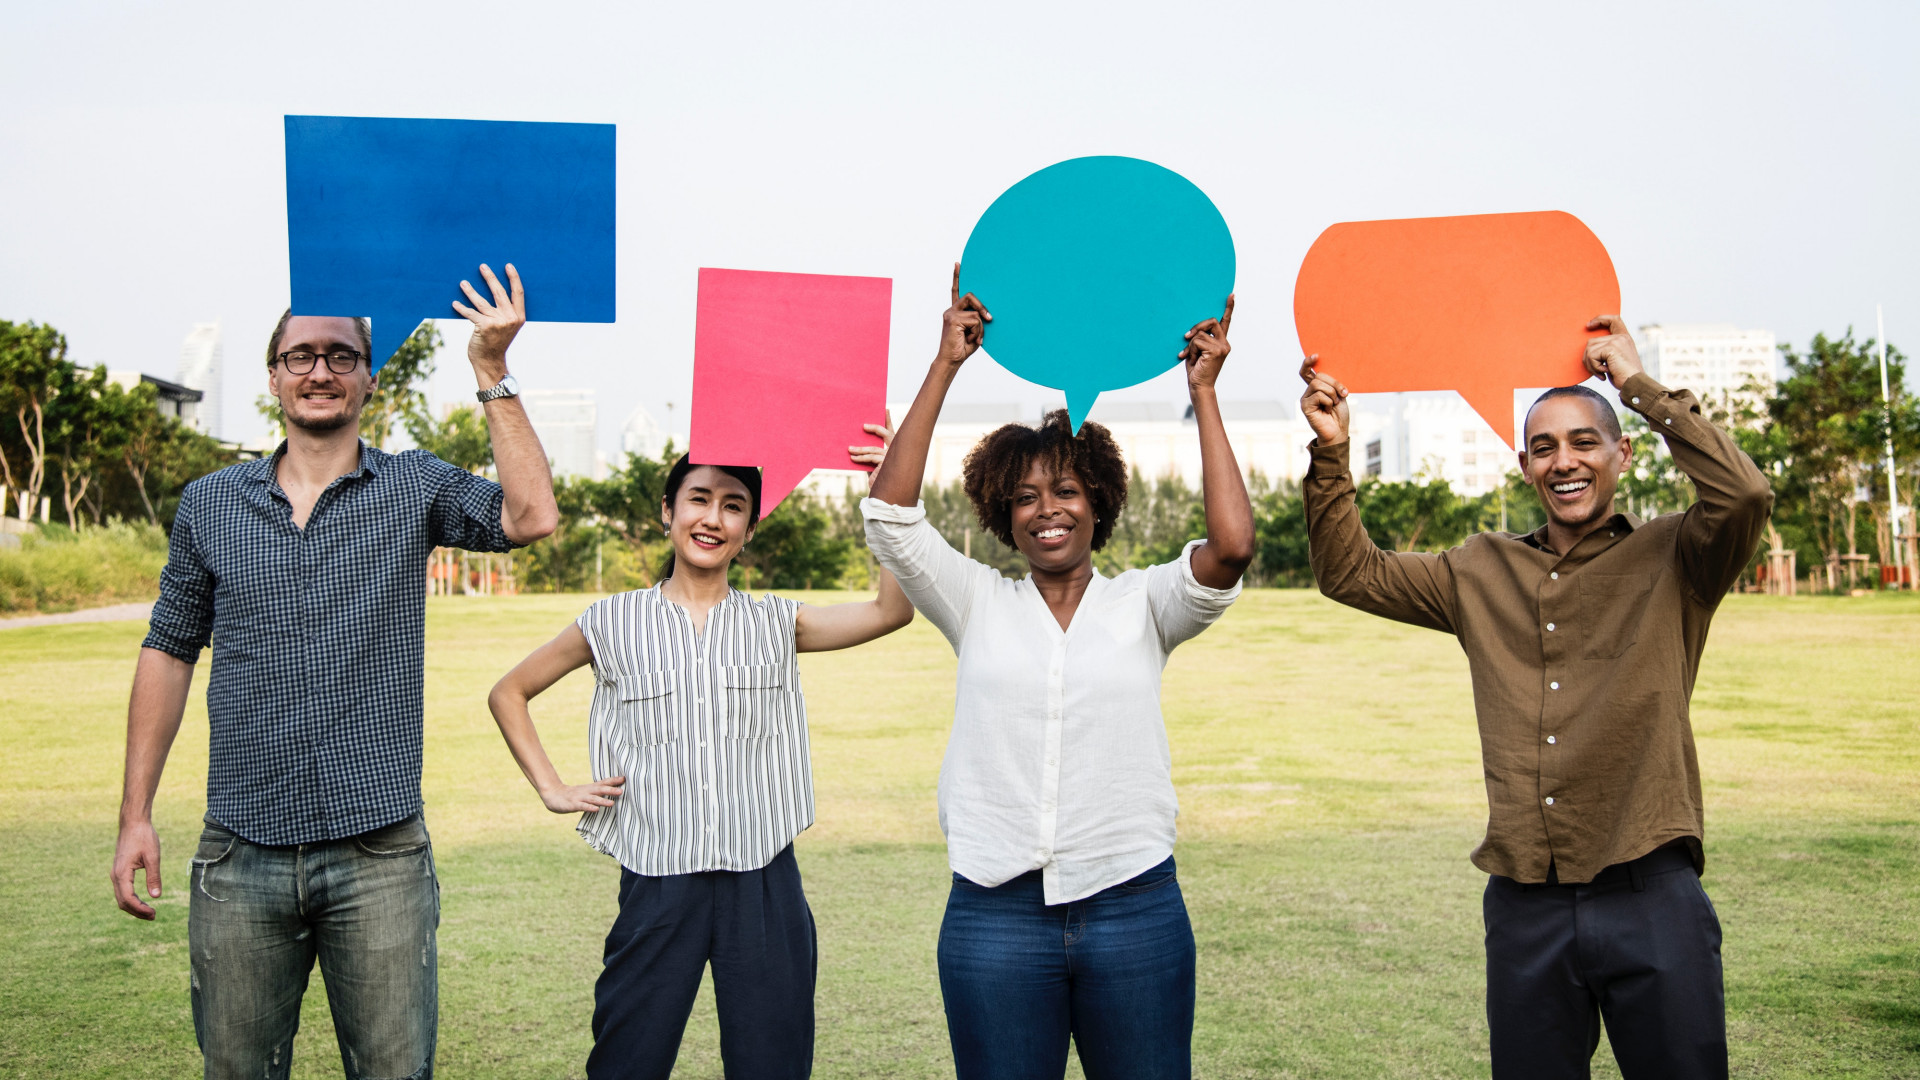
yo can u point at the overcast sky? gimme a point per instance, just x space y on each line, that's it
1747 163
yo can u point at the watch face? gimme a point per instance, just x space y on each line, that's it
510 385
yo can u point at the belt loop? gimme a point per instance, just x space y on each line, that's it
1634 875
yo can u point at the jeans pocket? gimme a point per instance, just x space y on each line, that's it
1157 878
408 837
216 846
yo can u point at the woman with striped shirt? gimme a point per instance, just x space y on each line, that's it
1064 919
698 731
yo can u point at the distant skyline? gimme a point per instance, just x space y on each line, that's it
1747 164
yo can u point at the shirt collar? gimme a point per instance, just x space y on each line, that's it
1618 523
262 470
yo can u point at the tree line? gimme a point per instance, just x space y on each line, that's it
101 452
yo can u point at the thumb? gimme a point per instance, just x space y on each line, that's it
153 874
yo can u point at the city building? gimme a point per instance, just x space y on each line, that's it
1717 361
201 369
566 421
180 402
643 435
1434 434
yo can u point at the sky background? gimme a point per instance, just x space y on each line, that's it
1747 163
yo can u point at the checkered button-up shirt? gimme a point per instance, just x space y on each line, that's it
314 701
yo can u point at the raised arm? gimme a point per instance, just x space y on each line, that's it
962 329
1723 526
1228 552
1410 587
528 512
508 702
842 626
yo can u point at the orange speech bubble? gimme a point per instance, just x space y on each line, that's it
1484 304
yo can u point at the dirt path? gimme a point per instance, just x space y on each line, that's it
113 613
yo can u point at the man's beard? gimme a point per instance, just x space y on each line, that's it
328 423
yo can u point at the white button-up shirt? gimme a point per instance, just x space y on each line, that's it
1058 759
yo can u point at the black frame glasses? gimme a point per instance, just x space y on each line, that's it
300 361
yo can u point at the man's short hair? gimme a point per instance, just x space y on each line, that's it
1609 420
361 326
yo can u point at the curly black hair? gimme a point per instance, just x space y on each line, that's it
997 466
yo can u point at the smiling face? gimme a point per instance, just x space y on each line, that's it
1052 519
321 399
709 520
1573 459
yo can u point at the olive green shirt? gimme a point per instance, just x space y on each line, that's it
1583 664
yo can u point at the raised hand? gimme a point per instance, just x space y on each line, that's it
964 325
583 798
495 323
874 455
1614 356
1324 404
1207 348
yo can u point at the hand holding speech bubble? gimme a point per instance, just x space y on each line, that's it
1484 304
786 370
385 217
1094 269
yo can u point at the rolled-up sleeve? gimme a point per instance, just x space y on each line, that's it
182 619
940 581
1182 607
464 509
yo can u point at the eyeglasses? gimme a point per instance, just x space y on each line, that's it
300 361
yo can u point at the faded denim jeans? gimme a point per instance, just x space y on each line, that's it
366 907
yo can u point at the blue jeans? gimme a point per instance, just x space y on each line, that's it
366 907
1113 971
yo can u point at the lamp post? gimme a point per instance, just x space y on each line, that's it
1893 491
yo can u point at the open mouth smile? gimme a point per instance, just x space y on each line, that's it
1053 535
1569 490
707 541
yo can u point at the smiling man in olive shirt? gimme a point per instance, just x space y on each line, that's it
1583 639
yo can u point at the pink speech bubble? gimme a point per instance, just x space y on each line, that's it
786 369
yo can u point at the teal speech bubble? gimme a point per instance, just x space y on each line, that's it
1094 270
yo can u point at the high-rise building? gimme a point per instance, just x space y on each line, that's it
1719 362
201 369
1433 434
566 421
642 434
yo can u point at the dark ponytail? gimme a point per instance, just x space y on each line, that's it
670 491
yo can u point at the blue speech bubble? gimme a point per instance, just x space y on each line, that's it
1094 270
385 218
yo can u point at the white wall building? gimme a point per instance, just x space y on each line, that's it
1433 434
1714 360
566 421
643 435
201 369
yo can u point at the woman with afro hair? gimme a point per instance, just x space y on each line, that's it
1064 920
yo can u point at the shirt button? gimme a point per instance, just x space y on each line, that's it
1051 762
1549 800
703 742
1669 421
1550 740
1636 401
1549 626
1550 686
1555 575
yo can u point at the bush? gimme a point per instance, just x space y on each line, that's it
56 569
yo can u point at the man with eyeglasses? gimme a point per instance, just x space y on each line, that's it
306 571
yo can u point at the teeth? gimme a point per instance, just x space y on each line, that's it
1569 486
1048 534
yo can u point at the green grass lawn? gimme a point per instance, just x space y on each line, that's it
1330 787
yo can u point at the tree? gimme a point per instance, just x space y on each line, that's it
1827 434
795 547
1422 514
399 394
33 367
460 438
89 420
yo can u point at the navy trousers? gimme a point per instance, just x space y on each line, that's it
756 930
1639 945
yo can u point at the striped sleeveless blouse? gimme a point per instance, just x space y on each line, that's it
709 729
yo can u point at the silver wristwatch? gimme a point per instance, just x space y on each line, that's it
507 387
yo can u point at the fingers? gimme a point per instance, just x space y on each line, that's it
1612 324
1226 317
519 291
464 311
500 298
1306 367
473 295
956 286
971 302
123 888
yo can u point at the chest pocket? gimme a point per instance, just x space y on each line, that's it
644 711
756 700
1613 606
